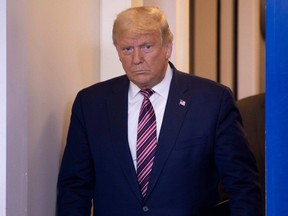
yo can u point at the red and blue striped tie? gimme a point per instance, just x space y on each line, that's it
146 141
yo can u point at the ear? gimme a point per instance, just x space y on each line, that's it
168 49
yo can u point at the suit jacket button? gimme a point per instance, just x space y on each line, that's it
145 208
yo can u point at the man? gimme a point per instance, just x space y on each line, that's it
155 141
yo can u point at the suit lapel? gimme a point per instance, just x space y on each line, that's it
176 108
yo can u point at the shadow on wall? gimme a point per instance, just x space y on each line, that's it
44 159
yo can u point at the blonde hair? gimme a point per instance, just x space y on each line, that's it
137 21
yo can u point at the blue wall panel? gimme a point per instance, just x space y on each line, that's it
277 107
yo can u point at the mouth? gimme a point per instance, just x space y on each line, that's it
140 71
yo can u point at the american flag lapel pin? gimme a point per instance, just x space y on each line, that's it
182 102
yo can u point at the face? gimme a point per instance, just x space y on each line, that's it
144 58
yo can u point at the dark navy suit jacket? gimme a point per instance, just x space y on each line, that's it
201 141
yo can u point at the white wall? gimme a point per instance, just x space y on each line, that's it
17 163
3 107
53 51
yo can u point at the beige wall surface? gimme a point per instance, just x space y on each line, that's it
53 51
205 39
250 58
251 49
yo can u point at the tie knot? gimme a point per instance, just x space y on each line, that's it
147 92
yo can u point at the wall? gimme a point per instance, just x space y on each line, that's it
3 107
17 125
240 31
53 51
205 39
251 49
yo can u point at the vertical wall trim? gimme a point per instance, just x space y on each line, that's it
192 35
218 55
181 36
235 79
3 107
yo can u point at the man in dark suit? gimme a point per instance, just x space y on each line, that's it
155 141
252 110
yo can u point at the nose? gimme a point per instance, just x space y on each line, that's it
137 56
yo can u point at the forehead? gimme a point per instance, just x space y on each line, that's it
127 39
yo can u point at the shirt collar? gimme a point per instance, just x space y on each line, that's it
161 88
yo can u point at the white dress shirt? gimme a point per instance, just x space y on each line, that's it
158 100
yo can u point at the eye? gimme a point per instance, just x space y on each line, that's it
147 47
127 50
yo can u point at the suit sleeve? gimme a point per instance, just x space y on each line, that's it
235 162
75 181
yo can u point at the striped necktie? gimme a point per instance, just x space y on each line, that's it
146 141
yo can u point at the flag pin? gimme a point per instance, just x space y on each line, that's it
182 102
